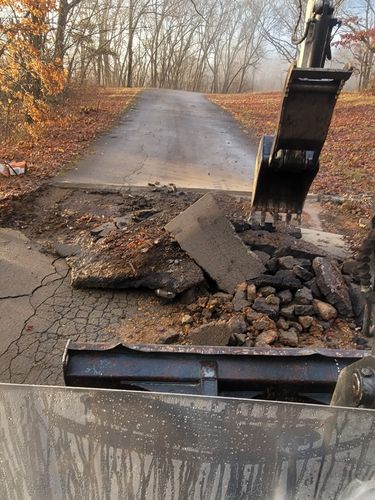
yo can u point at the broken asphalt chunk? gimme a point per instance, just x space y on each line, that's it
108 269
266 241
209 238
300 249
281 280
66 249
141 215
124 221
217 332
262 306
333 285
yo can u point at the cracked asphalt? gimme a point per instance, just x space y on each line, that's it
40 310
172 137
43 312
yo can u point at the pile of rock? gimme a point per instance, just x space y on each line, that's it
228 282
295 298
290 286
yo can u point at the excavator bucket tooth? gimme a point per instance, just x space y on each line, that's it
278 189
288 162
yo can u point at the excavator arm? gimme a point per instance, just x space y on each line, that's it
316 41
288 161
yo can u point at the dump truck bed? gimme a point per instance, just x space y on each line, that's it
95 444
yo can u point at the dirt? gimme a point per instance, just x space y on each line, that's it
52 215
349 216
152 328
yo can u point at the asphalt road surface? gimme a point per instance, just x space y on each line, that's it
171 137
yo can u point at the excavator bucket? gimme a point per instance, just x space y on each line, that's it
288 162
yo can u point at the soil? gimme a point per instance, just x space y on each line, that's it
54 215
349 216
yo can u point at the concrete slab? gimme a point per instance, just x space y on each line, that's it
333 244
22 267
209 238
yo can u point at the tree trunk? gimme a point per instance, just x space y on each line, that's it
60 30
129 80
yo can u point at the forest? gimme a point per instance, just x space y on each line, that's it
201 45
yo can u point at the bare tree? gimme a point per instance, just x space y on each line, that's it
201 45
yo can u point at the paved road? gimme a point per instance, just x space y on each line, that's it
172 137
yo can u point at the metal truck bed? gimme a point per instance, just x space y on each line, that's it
60 443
